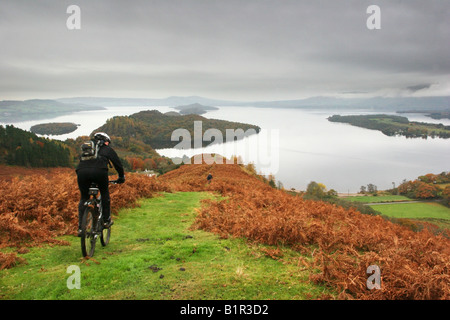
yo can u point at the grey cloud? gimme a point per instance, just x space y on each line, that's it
227 48
418 87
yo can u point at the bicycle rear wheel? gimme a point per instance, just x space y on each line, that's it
88 235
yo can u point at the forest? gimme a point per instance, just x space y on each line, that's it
23 148
392 125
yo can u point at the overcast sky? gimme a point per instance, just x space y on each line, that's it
224 49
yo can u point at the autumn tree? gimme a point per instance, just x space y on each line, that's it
446 196
316 189
419 190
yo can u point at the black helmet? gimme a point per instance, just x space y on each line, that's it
102 136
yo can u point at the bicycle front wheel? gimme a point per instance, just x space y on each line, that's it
105 236
88 235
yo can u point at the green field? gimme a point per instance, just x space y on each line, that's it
395 206
432 212
153 254
376 199
418 210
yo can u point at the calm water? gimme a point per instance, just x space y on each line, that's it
299 146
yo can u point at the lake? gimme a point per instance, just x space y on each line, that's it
299 146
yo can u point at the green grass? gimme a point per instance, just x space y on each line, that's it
189 264
376 199
419 210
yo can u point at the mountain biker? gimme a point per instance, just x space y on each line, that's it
96 170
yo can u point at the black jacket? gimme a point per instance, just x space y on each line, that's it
106 154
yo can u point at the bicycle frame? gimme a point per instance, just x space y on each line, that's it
93 206
96 201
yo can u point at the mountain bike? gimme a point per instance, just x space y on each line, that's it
92 222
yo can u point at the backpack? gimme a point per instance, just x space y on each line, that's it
89 150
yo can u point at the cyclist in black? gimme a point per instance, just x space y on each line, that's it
96 170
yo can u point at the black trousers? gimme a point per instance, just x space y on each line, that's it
85 177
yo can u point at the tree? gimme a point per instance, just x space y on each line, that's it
419 190
428 178
280 185
446 196
149 164
272 181
316 189
371 188
426 191
332 193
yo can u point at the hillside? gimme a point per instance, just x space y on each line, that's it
161 259
154 129
342 243
335 245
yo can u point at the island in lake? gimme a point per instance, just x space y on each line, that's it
155 129
54 128
195 108
392 125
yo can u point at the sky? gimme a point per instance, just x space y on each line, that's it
224 49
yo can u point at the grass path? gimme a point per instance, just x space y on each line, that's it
154 255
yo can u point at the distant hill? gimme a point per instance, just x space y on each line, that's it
442 114
14 110
376 103
154 128
172 101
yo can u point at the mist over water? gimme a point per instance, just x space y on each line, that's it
299 146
